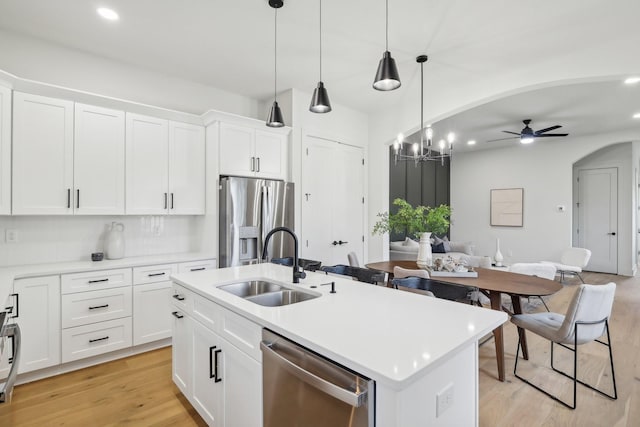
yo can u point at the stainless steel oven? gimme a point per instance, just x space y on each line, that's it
301 388
9 345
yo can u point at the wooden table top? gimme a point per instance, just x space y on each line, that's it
488 279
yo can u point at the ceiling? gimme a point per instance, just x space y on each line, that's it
229 45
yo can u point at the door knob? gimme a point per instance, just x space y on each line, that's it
612 234
340 242
334 243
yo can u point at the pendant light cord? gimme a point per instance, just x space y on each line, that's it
275 55
386 33
320 40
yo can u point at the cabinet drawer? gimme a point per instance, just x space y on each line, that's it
84 308
98 338
241 332
207 312
207 264
153 273
95 280
181 299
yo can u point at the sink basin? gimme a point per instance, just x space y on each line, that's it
251 287
280 298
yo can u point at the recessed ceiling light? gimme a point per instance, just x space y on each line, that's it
632 80
636 116
471 142
108 14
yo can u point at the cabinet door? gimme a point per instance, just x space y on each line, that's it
237 150
98 161
181 363
5 151
147 165
39 319
208 391
186 169
151 312
271 155
42 155
242 381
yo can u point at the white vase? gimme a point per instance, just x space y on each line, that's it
425 258
114 242
498 256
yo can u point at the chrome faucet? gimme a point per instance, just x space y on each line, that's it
298 273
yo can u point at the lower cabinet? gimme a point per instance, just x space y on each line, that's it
151 305
182 351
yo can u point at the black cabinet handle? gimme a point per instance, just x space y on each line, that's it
253 164
68 198
99 339
156 274
177 315
258 162
171 200
198 269
165 200
215 362
16 306
77 199
211 373
179 297
99 281
95 307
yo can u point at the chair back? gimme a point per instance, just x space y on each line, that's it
577 257
591 303
306 264
442 290
353 259
360 274
401 273
546 271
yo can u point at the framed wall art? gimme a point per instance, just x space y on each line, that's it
507 207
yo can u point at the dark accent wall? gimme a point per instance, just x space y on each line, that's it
427 184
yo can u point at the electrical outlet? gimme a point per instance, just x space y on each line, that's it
444 399
11 235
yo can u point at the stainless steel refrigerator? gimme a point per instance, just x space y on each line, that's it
249 209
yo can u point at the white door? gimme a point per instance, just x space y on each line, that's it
332 201
270 153
42 155
237 150
181 350
186 169
598 217
38 315
151 308
207 391
5 151
98 161
147 165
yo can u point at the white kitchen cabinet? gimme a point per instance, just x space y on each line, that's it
95 338
38 315
186 169
246 151
151 304
206 264
207 391
99 149
5 151
181 350
42 155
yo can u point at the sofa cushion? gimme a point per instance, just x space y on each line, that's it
438 248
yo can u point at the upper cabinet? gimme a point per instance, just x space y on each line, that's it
5 151
42 155
165 167
247 151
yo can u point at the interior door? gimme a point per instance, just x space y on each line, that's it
332 201
598 217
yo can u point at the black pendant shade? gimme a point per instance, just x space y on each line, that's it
275 119
387 77
320 100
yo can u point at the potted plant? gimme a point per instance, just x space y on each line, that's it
414 221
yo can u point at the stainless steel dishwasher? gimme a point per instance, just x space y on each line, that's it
303 389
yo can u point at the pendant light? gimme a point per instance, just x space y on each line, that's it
320 100
387 77
275 119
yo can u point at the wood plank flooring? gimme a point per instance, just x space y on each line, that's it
138 391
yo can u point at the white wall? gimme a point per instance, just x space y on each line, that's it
545 172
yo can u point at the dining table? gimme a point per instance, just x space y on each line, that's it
492 283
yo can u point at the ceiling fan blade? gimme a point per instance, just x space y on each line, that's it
513 133
551 134
538 132
503 139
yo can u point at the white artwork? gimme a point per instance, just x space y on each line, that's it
507 207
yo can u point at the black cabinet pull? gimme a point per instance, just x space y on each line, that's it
68 198
13 349
177 315
253 164
165 200
215 362
211 373
77 199
99 281
340 242
179 297
156 274
198 269
94 307
99 339
258 164
14 315
171 200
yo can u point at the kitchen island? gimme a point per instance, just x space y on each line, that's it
421 352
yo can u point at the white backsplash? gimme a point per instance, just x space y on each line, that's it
44 239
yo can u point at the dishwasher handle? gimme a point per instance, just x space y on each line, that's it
12 330
355 399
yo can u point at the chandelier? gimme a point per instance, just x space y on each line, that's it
420 151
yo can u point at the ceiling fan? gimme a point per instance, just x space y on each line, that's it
528 135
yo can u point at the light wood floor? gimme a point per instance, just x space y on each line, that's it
138 391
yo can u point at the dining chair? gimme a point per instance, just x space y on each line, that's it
401 273
572 261
545 271
353 259
360 274
586 320
449 291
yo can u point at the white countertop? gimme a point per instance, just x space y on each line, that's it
9 274
388 335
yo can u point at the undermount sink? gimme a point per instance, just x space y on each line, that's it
266 293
